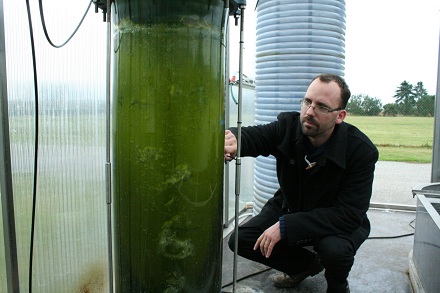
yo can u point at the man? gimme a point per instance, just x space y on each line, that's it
325 170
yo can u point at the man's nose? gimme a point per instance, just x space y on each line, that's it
308 109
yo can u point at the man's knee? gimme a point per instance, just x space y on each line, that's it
241 236
231 242
336 252
247 236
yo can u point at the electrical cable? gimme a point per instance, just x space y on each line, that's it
391 237
411 224
396 236
34 192
232 94
40 2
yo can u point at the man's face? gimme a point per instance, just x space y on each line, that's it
319 125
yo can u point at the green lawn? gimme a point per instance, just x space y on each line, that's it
403 139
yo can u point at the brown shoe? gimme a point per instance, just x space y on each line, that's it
289 281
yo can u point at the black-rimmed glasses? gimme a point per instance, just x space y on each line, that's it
306 104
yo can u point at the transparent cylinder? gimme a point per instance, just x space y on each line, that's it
168 133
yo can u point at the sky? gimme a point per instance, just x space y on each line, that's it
386 42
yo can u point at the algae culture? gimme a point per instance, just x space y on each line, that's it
168 135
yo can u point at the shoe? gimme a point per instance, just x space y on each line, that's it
289 281
346 290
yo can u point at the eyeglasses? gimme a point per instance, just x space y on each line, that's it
305 104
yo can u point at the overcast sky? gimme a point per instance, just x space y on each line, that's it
387 42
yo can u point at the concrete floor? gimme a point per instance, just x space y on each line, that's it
394 181
381 265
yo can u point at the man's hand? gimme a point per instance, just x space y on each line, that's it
230 145
268 239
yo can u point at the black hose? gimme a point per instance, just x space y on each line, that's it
43 22
34 192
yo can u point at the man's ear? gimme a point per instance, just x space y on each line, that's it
341 116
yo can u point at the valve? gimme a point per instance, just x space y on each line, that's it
235 7
101 4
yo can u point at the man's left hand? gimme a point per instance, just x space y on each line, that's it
268 239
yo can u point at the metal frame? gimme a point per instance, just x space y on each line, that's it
435 172
108 167
240 6
7 198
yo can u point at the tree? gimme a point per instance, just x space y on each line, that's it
425 105
354 105
419 91
371 106
391 109
364 105
405 98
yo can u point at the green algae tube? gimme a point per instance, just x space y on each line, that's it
168 134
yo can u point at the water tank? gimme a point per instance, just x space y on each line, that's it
296 40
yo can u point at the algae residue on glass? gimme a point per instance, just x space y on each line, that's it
168 124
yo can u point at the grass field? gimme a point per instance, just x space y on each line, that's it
402 139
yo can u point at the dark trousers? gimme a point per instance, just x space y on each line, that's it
336 255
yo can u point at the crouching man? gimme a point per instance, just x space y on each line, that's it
325 170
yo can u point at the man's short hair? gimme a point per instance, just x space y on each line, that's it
345 91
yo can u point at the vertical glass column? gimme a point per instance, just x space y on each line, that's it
168 123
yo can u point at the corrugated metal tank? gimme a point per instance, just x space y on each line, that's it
296 40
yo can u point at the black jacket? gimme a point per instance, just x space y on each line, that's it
331 198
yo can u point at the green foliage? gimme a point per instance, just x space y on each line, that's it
372 106
364 105
419 91
412 100
391 110
354 105
425 105
404 94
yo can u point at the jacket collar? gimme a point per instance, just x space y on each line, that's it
337 147
336 150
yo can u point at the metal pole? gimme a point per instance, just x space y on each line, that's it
435 172
238 159
7 197
108 152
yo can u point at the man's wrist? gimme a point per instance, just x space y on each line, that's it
283 231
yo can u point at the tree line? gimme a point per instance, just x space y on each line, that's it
411 100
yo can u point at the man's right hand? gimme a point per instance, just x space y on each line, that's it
230 146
